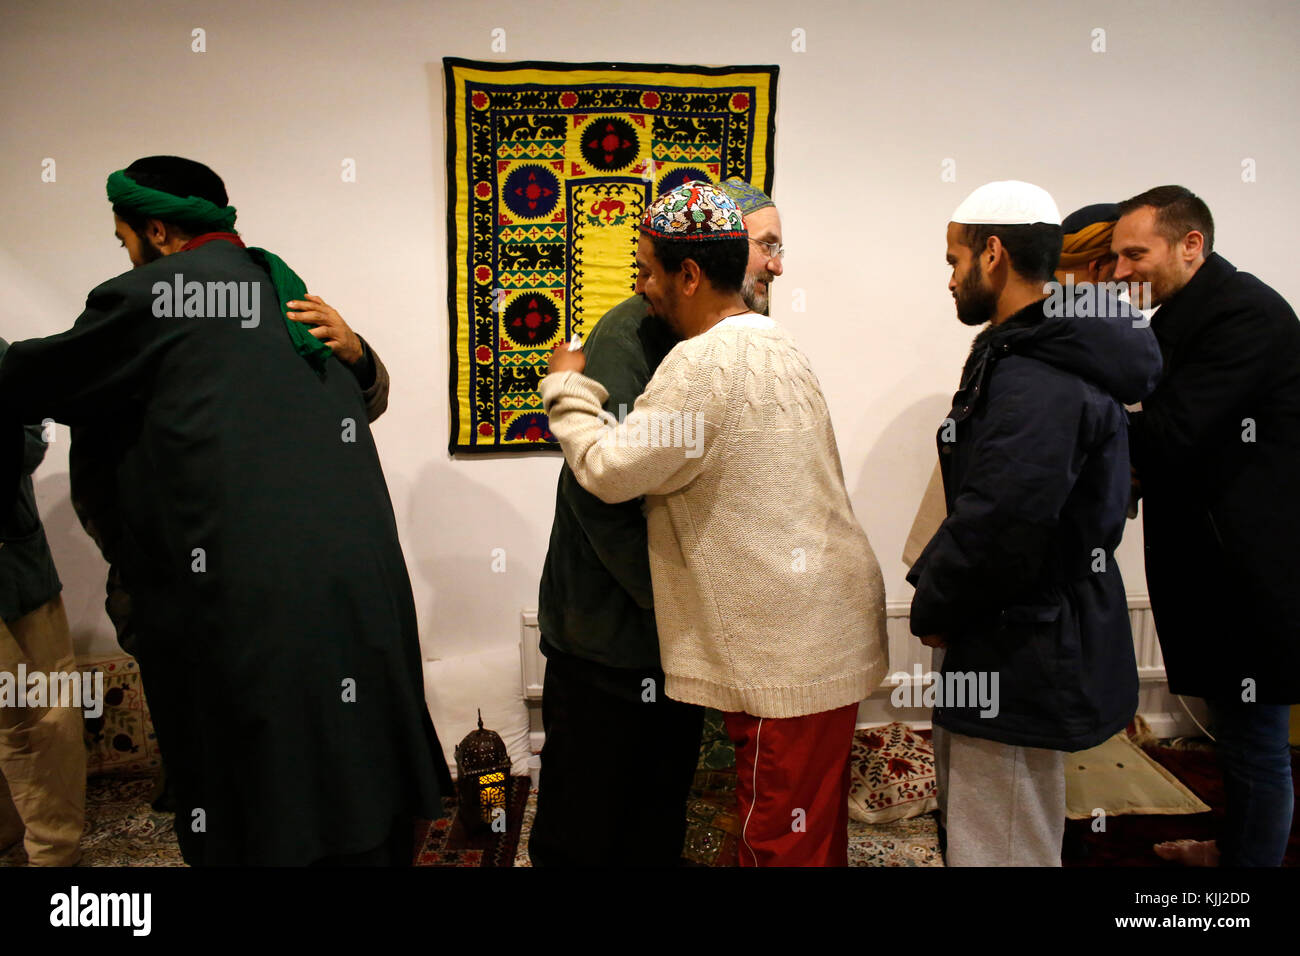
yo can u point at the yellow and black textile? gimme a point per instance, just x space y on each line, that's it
550 167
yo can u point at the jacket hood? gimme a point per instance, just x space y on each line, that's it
1117 351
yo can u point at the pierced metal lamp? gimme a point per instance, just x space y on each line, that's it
482 776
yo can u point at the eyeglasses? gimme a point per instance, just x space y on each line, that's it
774 250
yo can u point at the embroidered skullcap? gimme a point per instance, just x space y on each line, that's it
694 211
746 197
1008 202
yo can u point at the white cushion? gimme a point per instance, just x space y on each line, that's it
457 687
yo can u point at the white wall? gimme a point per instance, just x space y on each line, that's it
884 93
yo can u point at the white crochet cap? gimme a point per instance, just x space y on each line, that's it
1008 202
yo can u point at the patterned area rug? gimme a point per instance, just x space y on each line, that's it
447 842
530 811
713 834
913 842
122 829
550 167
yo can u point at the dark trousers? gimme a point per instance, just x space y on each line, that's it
616 772
1255 758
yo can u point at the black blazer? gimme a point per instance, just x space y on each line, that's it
1217 449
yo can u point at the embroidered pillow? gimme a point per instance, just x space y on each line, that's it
891 775
120 740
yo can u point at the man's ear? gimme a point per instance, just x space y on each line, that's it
995 254
691 276
155 232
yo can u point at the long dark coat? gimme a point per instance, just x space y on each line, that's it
276 629
1217 450
1021 576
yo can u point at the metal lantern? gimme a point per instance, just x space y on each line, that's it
482 776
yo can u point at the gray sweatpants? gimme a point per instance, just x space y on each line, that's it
1001 805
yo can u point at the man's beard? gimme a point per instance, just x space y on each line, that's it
649 308
148 251
653 313
1164 286
975 304
756 298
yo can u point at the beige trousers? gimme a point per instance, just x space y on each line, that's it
42 752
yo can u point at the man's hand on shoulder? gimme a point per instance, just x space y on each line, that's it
328 326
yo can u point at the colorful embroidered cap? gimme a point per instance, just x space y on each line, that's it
746 197
694 211
1009 202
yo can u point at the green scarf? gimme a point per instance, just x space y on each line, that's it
156 204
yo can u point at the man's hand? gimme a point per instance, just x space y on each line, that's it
328 326
935 640
1134 492
562 360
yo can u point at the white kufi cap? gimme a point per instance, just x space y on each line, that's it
1008 203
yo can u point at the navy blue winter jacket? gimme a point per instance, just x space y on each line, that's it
1021 577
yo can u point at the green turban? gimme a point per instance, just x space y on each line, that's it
157 204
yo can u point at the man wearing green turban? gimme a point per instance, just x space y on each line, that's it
146 238
270 608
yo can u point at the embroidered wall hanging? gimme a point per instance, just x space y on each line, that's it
550 167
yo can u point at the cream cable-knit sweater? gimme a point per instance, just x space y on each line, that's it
768 598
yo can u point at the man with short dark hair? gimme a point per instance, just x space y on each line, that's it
768 600
92 450
1216 448
275 628
1019 586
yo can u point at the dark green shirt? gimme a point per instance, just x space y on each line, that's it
27 575
596 603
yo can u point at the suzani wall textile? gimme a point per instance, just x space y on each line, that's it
550 167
